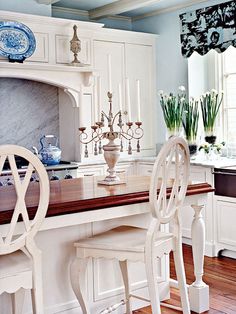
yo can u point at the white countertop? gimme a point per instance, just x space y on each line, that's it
196 161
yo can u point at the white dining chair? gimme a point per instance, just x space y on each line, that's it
126 243
20 258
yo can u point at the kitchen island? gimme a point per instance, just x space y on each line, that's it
80 208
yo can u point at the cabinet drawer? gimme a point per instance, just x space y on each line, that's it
89 171
126 169
144 169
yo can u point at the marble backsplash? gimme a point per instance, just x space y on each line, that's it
28 110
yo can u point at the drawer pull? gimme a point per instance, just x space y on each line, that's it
121 171
89 174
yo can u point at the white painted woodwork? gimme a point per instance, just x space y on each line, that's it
47 1
139 60
116 51
41 53
133 244
50 64
20 258
118 7
63 53
225 228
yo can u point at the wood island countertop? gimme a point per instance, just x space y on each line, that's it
84 194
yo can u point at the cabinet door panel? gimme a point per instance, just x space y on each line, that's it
139 66
226 216
116 51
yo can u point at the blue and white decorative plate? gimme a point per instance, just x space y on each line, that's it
17 41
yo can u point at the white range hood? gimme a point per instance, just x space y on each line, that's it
50 64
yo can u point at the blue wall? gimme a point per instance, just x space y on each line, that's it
25 6
172 68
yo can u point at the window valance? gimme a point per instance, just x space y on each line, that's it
208 28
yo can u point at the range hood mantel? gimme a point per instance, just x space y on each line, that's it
50 63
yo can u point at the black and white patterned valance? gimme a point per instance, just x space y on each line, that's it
208 28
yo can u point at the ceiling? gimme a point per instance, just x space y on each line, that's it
130 8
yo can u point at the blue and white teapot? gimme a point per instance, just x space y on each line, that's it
49 154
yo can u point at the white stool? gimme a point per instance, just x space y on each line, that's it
20 259
127 243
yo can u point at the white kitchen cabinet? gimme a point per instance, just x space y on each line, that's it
90 170
225 223
133 60
140 66
126 169
144 169
116 51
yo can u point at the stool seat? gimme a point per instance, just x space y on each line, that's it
13 264
122 238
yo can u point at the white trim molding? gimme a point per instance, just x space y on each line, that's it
47 1
77 12
118 7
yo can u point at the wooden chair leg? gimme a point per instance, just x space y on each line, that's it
124 271
180 272
18 301
78 282
151 271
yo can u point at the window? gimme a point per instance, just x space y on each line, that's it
216 71
228 61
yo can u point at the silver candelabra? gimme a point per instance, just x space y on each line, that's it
111 149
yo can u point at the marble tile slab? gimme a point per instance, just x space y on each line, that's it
28 110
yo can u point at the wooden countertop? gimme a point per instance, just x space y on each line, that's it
83 194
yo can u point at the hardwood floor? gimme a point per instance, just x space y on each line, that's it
220 275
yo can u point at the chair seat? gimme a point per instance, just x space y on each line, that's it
123 238
13 264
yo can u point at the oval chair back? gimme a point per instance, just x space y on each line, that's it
14 239
170 176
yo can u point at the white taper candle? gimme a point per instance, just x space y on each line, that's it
138 100
120 97
99 92
109 73
128 99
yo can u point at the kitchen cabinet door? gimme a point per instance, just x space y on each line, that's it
116 51
140 66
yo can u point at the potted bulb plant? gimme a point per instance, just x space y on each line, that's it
190 123
210 105
172 108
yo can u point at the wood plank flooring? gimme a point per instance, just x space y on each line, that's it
220 275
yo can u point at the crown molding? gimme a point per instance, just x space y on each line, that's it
47 1
77 12
70 11
167 10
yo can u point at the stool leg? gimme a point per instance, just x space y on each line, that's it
151 271
124 271
37 290
18 301
179 267
78 281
